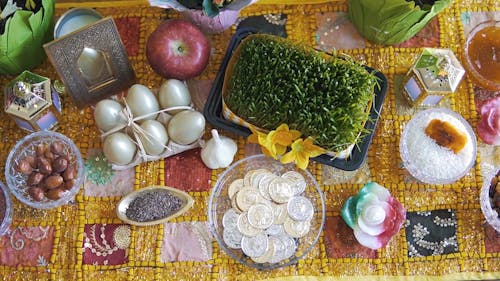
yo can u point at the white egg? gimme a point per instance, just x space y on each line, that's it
186 127
108 114
155 137
172 93
142 101
119 148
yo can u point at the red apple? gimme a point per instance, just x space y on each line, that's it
178 49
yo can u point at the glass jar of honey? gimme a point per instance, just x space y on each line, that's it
482 55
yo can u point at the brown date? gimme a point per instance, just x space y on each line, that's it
44 166
53 181
24 167
69 184
70 173
40 149
36 193
57 148
60 164
55 193
31 160
35 178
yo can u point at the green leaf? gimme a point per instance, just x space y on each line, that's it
391 21
210 9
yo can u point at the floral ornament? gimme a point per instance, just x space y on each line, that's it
374 215
276 142
301 151
98 169
488 126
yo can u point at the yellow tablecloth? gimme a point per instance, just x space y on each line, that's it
60 240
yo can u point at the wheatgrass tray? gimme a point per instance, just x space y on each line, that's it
213 110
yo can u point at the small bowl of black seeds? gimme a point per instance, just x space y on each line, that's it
153 205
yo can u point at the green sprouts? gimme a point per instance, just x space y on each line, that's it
275 81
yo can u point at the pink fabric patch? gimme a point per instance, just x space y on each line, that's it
336 31
427 37
186 241
27 246
187 172
106 244
341 243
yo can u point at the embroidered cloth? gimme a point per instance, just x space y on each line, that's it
445 236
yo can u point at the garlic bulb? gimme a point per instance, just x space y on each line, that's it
219 151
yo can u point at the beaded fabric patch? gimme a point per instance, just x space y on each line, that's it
431 233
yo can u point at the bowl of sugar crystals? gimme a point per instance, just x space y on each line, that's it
438 146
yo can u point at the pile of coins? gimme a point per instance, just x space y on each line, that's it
269 213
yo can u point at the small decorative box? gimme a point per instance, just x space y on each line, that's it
434 76
31 102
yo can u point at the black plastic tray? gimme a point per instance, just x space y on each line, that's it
213 111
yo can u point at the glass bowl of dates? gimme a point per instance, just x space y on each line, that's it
265 214
490 198
5 209
44 170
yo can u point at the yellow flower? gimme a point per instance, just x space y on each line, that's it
301 151
276 142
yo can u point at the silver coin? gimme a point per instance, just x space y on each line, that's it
247 197
300 208
255 246
232 237
234 205
257 176
279 249
280 190
245 227
296 229
298 181
266 257
234 187
264 185
290 246
280 213
275 229
260 216
230 218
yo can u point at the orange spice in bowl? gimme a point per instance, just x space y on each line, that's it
482 55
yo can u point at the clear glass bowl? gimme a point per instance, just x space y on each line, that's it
491 215
7 217
489 81
411 151
220 202
17 182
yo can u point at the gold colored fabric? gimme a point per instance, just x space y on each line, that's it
472 260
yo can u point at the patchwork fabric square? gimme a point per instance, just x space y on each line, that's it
186 241
106 244
427 37
341 243
268 23
27 246
187 172
102 181
336 31
129 29
431 233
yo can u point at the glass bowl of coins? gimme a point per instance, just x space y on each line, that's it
266 214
